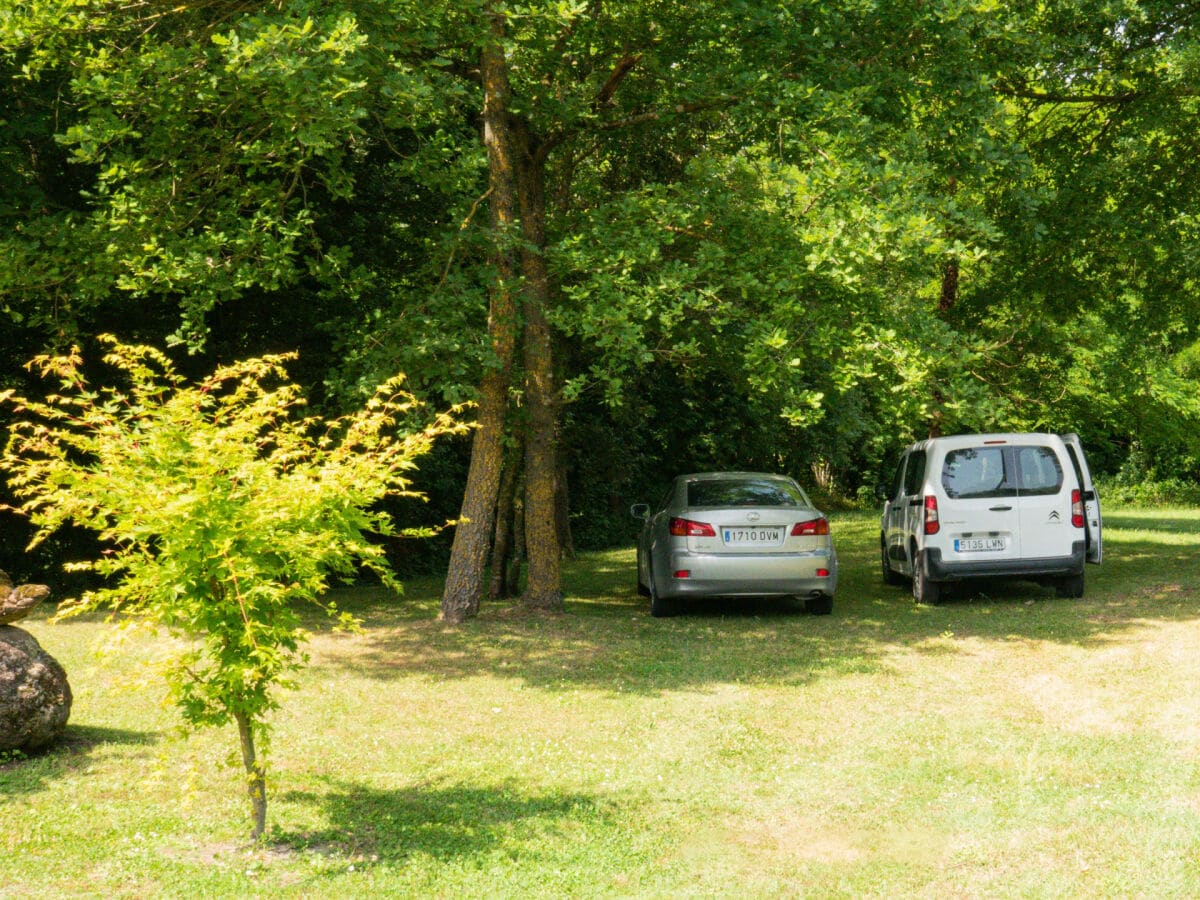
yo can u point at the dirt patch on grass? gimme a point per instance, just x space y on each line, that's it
805 839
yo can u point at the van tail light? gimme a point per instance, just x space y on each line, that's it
932 526
688 528
811 527
1077 509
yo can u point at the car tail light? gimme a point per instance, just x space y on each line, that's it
822 573
812 526
932 526
688 528
682 573
1077 509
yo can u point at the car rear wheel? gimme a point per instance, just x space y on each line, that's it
924 590
821 605
659 607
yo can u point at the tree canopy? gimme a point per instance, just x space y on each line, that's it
779 235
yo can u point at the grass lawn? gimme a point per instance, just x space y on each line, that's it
1006 743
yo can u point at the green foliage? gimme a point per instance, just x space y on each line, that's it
759 200
220 507
1151 494
202 137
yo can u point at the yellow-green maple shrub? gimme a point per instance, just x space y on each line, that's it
220 507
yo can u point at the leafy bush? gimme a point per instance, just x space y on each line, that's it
1166 492
218 505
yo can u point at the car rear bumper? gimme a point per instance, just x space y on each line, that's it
939 570
749 575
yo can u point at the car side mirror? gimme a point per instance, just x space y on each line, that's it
640 511
882 493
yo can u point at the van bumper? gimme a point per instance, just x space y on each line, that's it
937 570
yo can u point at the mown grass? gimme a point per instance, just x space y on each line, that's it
1006 743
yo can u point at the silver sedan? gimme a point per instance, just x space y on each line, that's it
734 534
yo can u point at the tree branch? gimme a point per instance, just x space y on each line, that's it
1055 97
679 109
623 67
1025 92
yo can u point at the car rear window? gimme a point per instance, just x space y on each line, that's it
744 492
1010 471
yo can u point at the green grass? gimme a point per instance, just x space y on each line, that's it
1007 743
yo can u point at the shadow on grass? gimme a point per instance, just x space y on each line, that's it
607 638
31 773
440 822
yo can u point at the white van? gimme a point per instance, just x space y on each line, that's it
988 506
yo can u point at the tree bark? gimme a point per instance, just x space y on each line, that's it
502 544
516 561
543 587
949 295
947 300
562 509
473 534
256 776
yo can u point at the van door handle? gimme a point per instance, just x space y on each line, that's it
1000 509
916 501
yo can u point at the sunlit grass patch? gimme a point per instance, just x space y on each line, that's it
1006 743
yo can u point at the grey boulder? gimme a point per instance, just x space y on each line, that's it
35 698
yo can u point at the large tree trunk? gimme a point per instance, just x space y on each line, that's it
543 587
946 302
473 534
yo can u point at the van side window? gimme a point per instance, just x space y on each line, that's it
977 472
1040 471
898 479
914 475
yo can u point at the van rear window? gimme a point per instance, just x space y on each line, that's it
983 472
977 472
1039 470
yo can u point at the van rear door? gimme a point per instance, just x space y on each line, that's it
1091 500
979 517
1045 483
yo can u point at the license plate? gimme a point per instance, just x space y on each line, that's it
978 545
752 537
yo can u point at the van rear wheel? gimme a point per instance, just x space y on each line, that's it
1071 586
890 575
924 590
